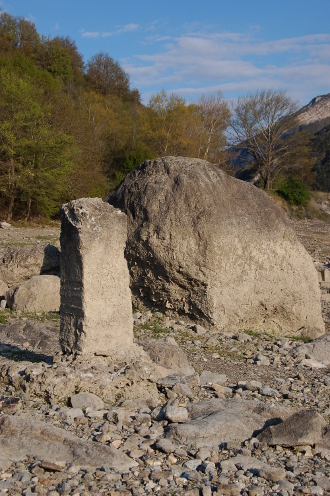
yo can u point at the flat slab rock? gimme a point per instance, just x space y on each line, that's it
318 350
301 428
216 421
31 334
20 437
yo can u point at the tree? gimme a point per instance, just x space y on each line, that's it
264 123
17 33
211 120
34 157
105 76
168 126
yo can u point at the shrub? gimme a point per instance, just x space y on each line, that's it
295 192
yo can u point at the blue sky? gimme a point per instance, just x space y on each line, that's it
199 47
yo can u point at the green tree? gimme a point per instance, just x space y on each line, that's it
105 76
168 126
264 123
35 158
18 34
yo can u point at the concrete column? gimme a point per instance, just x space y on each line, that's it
96 308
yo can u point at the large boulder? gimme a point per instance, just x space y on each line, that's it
19 263
217 249
38 294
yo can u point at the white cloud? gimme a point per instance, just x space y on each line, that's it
90 34
198 63
126 28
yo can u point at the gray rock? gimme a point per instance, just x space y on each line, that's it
31 334
20 436
86 400
268 391
18 264
207 377
272 474
38 294
5 225
215 421
318 350
96 306
3 289
167 355
165 445
229 259
302 428
174 413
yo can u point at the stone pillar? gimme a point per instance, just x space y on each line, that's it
96 308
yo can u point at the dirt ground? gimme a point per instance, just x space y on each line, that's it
313 234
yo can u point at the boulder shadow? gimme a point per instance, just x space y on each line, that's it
13 352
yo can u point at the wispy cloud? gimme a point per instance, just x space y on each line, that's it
89 34
196 63
126 28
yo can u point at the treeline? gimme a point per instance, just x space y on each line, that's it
71 129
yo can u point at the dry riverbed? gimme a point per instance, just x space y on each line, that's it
246 367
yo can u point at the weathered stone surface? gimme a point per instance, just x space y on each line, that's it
3 289
38 294
301 428
167 355
87 400
32 335
20 436
317 350
19 263
214 422
207 377
96 308
207 245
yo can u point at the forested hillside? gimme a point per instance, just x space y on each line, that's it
71 128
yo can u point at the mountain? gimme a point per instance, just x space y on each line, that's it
317 110
314 118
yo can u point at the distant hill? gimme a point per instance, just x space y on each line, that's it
318 110
313 118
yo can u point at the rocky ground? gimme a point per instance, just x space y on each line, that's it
196 431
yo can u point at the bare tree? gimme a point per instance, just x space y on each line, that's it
263 123
212 116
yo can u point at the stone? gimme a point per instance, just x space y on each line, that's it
5 225
213 422
20 436
208 377
165 445
272 474
20 263
96 307
174 413
38 294
167 355
31 334
3 289
216 249
318 351
301 428
86 400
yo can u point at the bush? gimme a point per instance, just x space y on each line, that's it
295 192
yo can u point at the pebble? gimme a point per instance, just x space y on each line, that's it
138 429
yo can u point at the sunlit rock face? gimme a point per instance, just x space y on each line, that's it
216 249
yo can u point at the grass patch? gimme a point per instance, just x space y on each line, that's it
6 314
154 327
3 317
